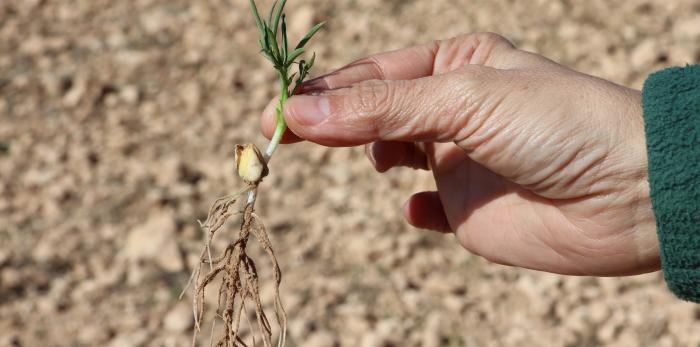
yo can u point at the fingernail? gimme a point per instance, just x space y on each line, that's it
369 151
315 85
310 110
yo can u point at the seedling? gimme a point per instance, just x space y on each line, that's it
238 271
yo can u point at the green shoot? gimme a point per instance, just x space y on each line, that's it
274 46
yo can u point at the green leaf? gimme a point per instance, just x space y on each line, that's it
265 39
295 54
311 62
272 12
258 21
268 57
278 15
310 34
275 52
285 44
303 71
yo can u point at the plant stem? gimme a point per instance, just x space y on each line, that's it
281 124
279 129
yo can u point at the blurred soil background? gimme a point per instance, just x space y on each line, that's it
117 125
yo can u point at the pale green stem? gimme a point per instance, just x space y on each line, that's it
279 129
281 124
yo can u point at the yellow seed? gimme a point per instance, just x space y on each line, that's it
250 163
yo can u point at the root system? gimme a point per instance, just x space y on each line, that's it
240 283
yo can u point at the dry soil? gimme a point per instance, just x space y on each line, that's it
117 125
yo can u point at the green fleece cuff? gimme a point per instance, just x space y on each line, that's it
671 101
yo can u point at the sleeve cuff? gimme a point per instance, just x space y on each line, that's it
671 100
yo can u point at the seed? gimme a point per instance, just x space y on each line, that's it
250 164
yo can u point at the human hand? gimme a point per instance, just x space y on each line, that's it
536 165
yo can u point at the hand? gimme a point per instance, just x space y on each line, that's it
536 165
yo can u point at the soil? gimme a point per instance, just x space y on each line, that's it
118 121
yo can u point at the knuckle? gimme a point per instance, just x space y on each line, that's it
376 68
492 39
372 100
485 45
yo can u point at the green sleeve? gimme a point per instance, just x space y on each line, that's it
671 101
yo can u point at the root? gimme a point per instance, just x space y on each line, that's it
240 282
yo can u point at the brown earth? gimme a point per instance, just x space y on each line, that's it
117 124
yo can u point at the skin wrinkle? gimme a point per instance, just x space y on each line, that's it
591 168
600 165
568 155
472 137
509 132
398 124
579 172
414 118
368 104
452 118
564 156
581 249
483 55
604 238
434 50
378 68
491 151
644 219
548 241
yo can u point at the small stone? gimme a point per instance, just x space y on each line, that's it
687 28
321 339
135 339
191 94
75 94
644 54
372 340
298 327
34 45
91 333
44 251
10 278
5 256
154 21
599 312
431 334
155 241
129 94
179 319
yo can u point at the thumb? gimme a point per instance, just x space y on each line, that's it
436 109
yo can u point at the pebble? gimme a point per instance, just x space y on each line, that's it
135 339
373 340
154 240
191 94
179 319
76 93
129 94
431 333
644 54
688 27
321 339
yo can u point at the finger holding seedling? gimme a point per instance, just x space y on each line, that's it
275 47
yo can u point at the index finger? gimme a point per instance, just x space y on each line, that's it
405 64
